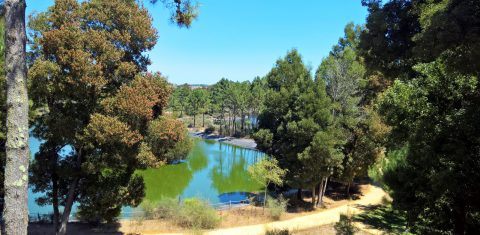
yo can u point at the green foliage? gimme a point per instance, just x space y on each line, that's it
296 108
436 109
183 12
198 102
102 113
276 207
345 226
430 49
356 126
387 44
179 98
267 171
387 165
264 139
234 105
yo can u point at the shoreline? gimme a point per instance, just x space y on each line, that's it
239 142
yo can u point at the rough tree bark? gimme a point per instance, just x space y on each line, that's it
16 167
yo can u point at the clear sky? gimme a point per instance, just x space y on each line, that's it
241 39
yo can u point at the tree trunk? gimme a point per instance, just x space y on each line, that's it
194 120
324 189
229 121
320 192
299 194
348 189
56 213
319 186
203 120
243 122
68 206
265 197
221 124
17 152
314 204
71 196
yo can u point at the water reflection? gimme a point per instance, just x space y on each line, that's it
229 174
213 171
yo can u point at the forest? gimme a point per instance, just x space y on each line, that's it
395 102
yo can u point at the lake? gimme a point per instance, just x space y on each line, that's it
214 171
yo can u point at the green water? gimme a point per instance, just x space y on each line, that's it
214 171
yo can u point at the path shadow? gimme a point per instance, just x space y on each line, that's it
75 229
382 217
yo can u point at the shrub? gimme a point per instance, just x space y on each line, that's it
192 213
209 130
149 209
345 225
164 209
276 207
278 232
197 214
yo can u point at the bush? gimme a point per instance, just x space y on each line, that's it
192 213
209 130
278 232
276 207
345 225
164 209
149 209
197 214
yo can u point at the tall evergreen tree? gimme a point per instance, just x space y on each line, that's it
430 49
297 109
102 116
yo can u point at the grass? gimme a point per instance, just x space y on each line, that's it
385 218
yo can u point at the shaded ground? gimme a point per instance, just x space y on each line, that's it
324 229
383 217
75 228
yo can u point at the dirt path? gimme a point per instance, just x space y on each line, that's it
373 196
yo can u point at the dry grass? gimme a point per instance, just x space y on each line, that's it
248 215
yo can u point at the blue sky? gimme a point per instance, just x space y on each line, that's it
241 39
